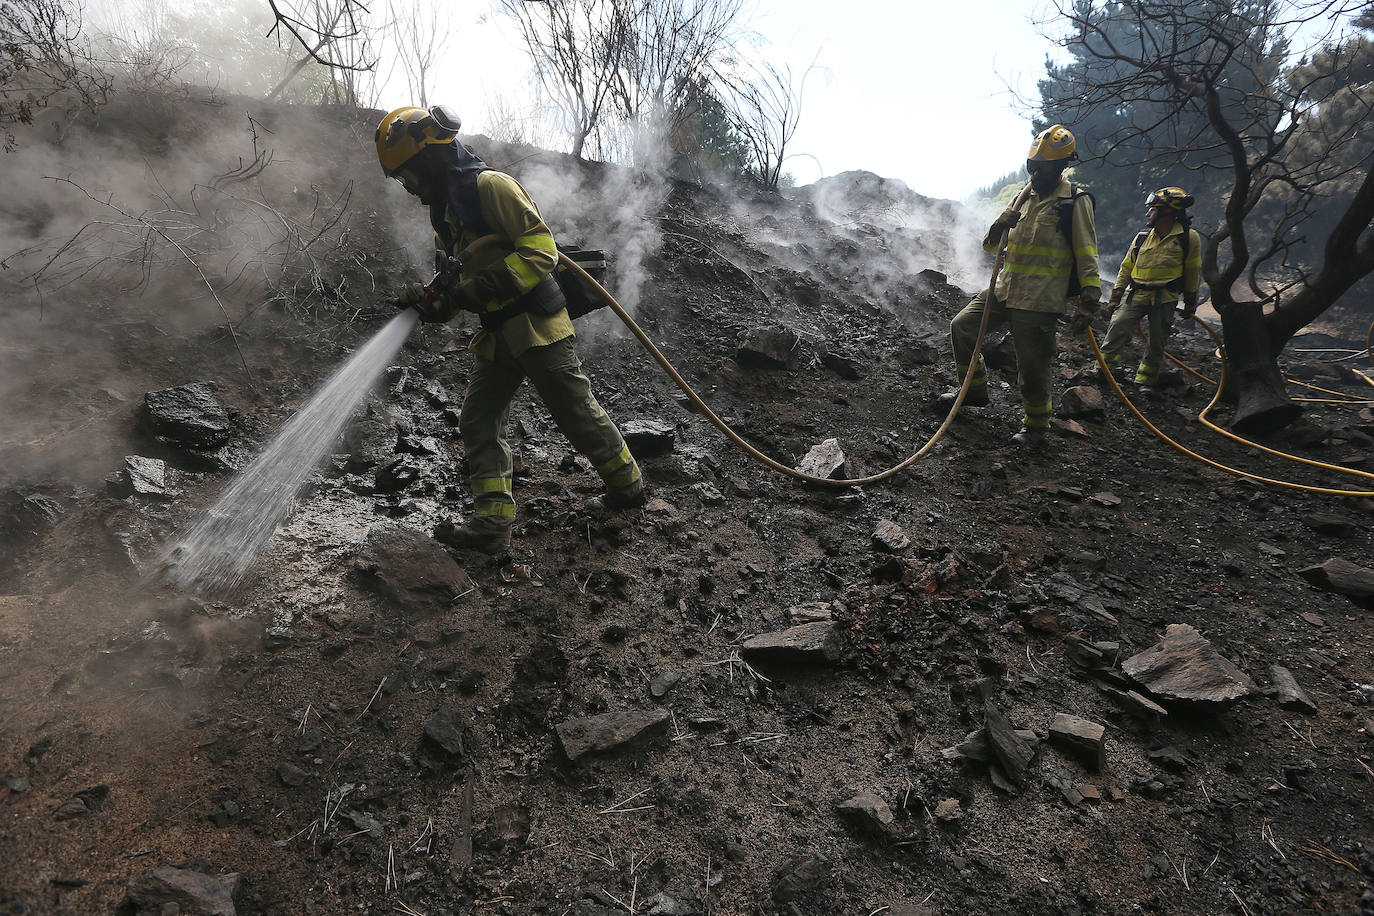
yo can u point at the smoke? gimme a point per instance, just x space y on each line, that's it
918 232
593 205
131 236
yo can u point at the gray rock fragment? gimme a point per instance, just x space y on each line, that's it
139 477
1344 578
648 438
825 460
410 568
889 537
598 734
446 730
167 889
187 416
663 683
801 879
1082 401
1288 692
1184 666
769 348
1083 738
866 813
807 643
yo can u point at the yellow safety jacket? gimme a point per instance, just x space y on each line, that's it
1157 263
508 210
1039 262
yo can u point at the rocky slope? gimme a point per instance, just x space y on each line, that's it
1039 682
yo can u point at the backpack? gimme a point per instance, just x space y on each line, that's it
1185 239
1065 208
576 295
580 297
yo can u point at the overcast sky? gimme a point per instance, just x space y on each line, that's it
915 91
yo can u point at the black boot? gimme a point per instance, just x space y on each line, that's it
977 397
478 533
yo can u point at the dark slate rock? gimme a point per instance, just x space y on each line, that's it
83 802
290 774
418 445
187 416
1185 667
1009 750
1325 523
843 366
167 889
663 683
1344 578
648 438
410 568
801 879
825 460
808 643
447 730
1288 692
371 440
599 734
769 348
398 474
40 511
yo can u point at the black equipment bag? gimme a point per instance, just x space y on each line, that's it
581 297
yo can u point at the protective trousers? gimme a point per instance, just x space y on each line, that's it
1158 307
557 375
1032 335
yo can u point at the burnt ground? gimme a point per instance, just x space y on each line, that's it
280 733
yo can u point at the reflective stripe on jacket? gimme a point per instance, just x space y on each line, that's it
509 211
1036 273
1159 263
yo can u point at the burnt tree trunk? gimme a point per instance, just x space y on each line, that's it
1253 380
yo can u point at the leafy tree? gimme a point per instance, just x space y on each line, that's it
1180 89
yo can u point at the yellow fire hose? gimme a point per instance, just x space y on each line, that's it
1216 397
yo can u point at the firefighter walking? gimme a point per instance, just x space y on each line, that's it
1051 240
526 332
1162 265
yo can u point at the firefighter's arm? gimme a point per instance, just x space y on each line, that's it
1192 273
510 213
1123 279
1085 243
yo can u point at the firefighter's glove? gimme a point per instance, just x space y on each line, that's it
1009 218
466 297
1087 307
420 298
1189 307
1114 302
411 294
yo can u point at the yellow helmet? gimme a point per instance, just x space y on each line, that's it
406 131
1173 198
1053 144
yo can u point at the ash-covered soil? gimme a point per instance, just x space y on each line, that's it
375 724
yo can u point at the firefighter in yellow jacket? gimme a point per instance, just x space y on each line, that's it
526 331
1162 266
1051 238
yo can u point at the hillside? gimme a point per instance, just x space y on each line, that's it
375 724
